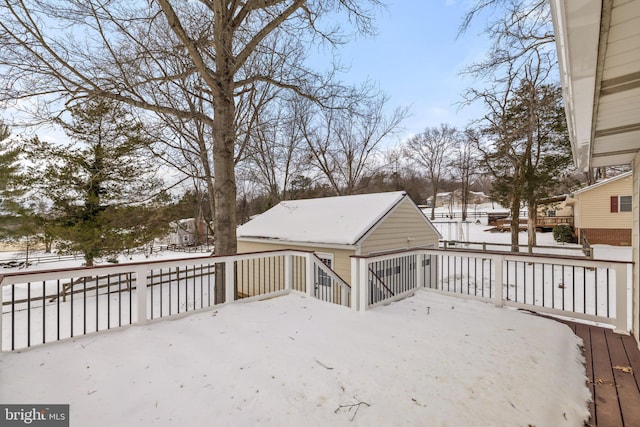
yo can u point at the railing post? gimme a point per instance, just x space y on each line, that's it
229 282
310 275
141 293
433 271
344 296
355 280
362 284
498 297
1 316
288 271
621 299
420 282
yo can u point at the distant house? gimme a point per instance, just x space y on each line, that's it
454 198
553 211
335 228
603 211
442 199
188 232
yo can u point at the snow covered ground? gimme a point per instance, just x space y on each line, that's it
427 360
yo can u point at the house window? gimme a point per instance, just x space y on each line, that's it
551 213
621 204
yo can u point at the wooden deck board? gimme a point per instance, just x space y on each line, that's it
615 389
584 332
626 386
605 394
631 348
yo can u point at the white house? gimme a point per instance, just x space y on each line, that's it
188 232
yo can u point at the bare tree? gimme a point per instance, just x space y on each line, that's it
518 29
135 52
342 141
519 67
464 163
431 150
276 151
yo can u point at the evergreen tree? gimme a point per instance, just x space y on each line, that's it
530 151
100 182
10 188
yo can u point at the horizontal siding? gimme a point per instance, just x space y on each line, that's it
595 208
341 257
404 227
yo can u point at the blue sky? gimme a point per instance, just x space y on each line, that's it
416 59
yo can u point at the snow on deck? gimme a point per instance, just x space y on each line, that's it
427 360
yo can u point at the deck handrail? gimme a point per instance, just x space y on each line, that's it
447 270
140 290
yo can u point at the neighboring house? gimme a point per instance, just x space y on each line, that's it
603 211
336 228
553 211
454 198
442 199
554 207
188 232
598 44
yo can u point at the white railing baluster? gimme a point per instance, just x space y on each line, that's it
229 282
420 282
309 277
621 298
498 297
141 293
363 283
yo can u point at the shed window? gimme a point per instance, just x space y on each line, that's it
621 204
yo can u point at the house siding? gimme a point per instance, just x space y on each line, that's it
403 223
593 207
341 257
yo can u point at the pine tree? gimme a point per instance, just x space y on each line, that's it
98 180
10 188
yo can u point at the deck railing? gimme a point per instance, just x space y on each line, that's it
575 287
45 306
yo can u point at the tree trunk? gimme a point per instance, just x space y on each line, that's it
434 191
224 139
515 222
531 226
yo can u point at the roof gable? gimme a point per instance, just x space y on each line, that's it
601 183
341 220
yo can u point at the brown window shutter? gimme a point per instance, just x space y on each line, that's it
614 203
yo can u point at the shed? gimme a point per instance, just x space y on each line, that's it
602 212
335 228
